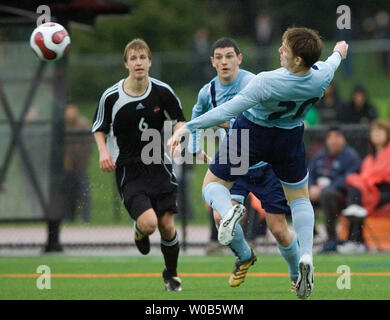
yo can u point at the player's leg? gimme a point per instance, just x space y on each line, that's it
268 189
303 222
302 216
170 250
219 179
287 243
145 225
240 247
165 206
277 224
216 194
289 164
138 205
145 220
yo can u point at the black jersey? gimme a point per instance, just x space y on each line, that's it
124 117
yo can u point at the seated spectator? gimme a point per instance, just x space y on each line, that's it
359 110
330 105
327 173
369 189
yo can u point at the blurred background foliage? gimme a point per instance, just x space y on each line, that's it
164 24
170 24
169 27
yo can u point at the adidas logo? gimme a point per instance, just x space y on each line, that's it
139 106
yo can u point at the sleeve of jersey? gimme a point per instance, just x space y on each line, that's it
330 65
333 61
172 108
252 94
102 117
199 108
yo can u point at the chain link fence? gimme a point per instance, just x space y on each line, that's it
92 215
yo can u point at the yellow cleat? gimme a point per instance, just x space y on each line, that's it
240 271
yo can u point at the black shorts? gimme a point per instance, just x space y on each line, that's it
144 187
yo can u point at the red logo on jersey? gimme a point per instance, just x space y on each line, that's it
156 109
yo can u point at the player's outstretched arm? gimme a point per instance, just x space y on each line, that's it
340 52
342 48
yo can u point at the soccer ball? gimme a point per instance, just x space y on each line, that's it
50 41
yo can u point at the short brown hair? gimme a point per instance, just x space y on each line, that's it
137 44
305 43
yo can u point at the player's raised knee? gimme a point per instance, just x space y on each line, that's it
147 224
149 228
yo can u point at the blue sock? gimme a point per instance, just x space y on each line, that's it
291 255
303 222
239 246
218 197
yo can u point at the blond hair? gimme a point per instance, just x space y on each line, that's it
137 44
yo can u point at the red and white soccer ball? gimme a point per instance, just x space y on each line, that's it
50 41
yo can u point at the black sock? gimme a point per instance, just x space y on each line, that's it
214 230
170 251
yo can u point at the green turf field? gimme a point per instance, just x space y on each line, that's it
203 278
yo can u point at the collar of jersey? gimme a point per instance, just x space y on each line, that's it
299 75
138 97
231 83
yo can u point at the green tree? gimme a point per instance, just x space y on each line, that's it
164 24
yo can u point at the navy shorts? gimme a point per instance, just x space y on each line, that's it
265 185
283 149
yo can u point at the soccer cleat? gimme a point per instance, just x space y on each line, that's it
305 283
171 283
226 230
354 210
240 270
142 243
351 247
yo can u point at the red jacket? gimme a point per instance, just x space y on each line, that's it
374 170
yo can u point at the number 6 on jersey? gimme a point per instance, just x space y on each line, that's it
142 126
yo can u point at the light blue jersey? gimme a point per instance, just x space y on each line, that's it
214 94
275 98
